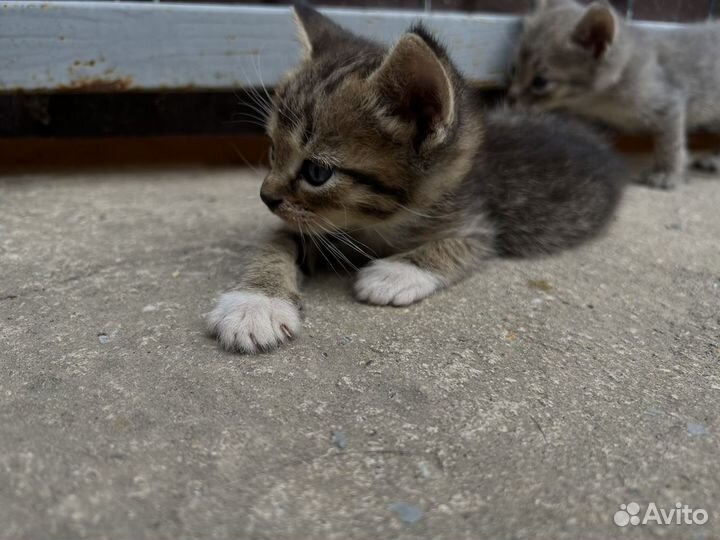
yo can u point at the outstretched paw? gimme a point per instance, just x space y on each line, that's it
251 322
385 282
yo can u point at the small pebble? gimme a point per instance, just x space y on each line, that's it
540 284
654 411
696 430
104 338
408 513
339 439
424 469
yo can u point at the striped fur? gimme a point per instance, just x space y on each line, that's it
424 186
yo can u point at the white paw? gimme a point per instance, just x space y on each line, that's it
251 322
385 282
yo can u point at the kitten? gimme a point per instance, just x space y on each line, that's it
588 61
381 157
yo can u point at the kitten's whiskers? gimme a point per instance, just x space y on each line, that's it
346 239
335 252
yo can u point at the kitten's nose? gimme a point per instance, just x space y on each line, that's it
271 202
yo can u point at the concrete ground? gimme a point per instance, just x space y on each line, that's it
530 401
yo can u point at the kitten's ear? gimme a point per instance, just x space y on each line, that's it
317 33
596 30
416 86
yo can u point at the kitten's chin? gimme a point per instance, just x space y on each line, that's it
296 217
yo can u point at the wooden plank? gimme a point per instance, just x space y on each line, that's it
42 154
117 46
29 154
97 46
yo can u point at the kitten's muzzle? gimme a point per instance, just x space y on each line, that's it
294 214
271 202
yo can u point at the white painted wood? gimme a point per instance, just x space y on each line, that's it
49 46
96 45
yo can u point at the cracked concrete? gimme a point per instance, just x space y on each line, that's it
528 402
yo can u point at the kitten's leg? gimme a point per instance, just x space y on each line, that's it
264 310
708 164
670 149
408 277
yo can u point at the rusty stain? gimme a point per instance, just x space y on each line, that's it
102 84
98 84
88 63
191 87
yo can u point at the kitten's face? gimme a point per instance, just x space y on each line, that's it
343 157
561 54
333 165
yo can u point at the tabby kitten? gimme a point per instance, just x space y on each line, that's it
381 157
587 61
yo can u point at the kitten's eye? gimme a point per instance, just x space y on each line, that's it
539 84
315 173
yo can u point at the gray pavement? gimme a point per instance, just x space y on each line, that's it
530 401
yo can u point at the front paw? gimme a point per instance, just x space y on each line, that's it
251 322
660 179
396 283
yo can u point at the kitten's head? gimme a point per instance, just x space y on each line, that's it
566 51
359 130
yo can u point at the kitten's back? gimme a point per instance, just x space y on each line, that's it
551 182
689 57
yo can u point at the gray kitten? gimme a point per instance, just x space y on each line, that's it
588 61
381 158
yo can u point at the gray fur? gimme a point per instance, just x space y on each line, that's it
664 82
